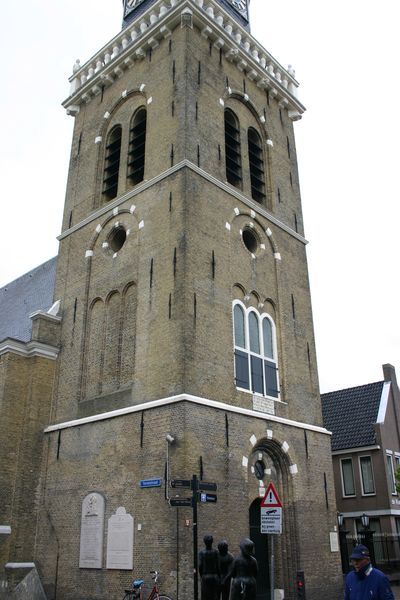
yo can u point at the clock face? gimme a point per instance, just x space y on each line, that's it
240 5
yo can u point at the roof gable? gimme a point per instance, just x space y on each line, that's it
351 414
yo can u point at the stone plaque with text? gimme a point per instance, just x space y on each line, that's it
263 405
92 531
120 541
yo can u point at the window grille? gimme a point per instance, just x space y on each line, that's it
256 162
137 146
233 156
111 163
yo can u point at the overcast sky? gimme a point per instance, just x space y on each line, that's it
346 57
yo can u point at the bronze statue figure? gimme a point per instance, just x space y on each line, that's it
244 573
225 565
209 570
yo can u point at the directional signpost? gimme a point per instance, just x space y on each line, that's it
271 523
180 502
200 493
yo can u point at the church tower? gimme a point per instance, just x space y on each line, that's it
187 343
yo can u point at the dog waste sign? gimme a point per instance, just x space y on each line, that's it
271 511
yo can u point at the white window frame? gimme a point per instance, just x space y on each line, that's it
262 355
397 464
350 458
391 477
363 492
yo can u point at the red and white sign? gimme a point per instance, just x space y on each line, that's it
271 498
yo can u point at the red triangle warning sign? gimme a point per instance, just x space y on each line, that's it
271 498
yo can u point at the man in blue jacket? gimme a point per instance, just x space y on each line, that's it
366 582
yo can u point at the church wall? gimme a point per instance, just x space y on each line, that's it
25 397
107 458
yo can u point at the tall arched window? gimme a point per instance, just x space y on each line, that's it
256 163
233 157
256 366
137 146
111 163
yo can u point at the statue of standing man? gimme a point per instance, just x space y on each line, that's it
225 565
244 573
209 570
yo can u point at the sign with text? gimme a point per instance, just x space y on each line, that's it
271 511
271 520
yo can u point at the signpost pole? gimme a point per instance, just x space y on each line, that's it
272 571
195 557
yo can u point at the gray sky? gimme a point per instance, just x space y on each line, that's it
345 55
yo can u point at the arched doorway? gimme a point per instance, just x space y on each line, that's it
261 550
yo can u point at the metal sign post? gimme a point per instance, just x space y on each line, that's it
271 523
199 494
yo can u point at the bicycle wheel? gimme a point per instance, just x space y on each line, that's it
163 597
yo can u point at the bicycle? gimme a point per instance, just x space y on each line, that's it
136 590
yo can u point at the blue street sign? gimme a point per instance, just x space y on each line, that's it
150 483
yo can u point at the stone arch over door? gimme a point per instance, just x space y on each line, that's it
278 470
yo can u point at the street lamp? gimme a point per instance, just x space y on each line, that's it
365 520
368 537
344 553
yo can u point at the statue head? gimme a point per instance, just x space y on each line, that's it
208 540
223 547
247 547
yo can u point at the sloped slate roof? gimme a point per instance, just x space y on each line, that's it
351 414
20 298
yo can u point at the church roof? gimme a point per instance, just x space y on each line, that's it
22 297
351 414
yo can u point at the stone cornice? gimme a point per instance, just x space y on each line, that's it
28 349
109 207
184 398
130 45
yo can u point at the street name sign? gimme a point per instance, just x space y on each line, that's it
149 483
203 497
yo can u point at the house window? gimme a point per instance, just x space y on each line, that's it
367 477
396 466
348 487
256 367
233 157
137 146
111 163
256 163
390 473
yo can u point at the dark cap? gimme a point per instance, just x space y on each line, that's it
360 551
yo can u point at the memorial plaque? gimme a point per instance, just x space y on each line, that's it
264 405
92 531
120 541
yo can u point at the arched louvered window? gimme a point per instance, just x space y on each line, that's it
233 157
111 163
137 146
256 163
256 368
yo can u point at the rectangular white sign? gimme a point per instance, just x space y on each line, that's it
271 520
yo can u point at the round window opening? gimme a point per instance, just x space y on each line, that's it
117 238
250 240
